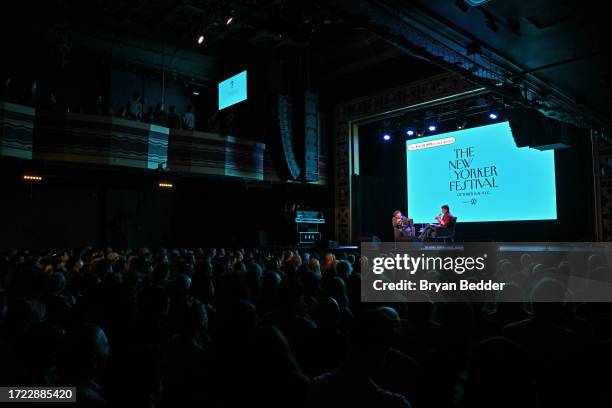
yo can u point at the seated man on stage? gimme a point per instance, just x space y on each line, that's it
431 230
403 227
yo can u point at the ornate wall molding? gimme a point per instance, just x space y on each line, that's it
603 190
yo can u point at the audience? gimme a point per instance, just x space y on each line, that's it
149 117
352 383
159 115
264 327
134 110
33 97
99 105
83 355
111 109
122 113
189 119
136 107
7 93
174 121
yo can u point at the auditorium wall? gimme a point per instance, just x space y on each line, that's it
77 206
83 209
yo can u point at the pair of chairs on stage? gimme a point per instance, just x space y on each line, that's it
408 231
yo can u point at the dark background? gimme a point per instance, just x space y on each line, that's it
80 205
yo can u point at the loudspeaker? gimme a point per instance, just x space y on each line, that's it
530 128
285 124
311 139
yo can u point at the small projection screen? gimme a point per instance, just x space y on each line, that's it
233 90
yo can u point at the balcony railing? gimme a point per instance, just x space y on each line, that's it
26 133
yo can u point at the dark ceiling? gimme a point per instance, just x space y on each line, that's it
560 44
337 51
264 24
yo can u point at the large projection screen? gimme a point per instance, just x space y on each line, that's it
482 175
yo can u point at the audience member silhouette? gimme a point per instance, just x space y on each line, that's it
352 383
174 121
83 356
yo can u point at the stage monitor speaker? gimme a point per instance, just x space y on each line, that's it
530 128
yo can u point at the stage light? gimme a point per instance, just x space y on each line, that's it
29 177
165 185
410 132
432 128
386 137
196 93
461 122
229 20
201 39
493 115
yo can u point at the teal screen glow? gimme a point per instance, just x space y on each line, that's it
481 175
233 90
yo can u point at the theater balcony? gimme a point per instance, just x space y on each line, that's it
92 139
207 153
103 140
